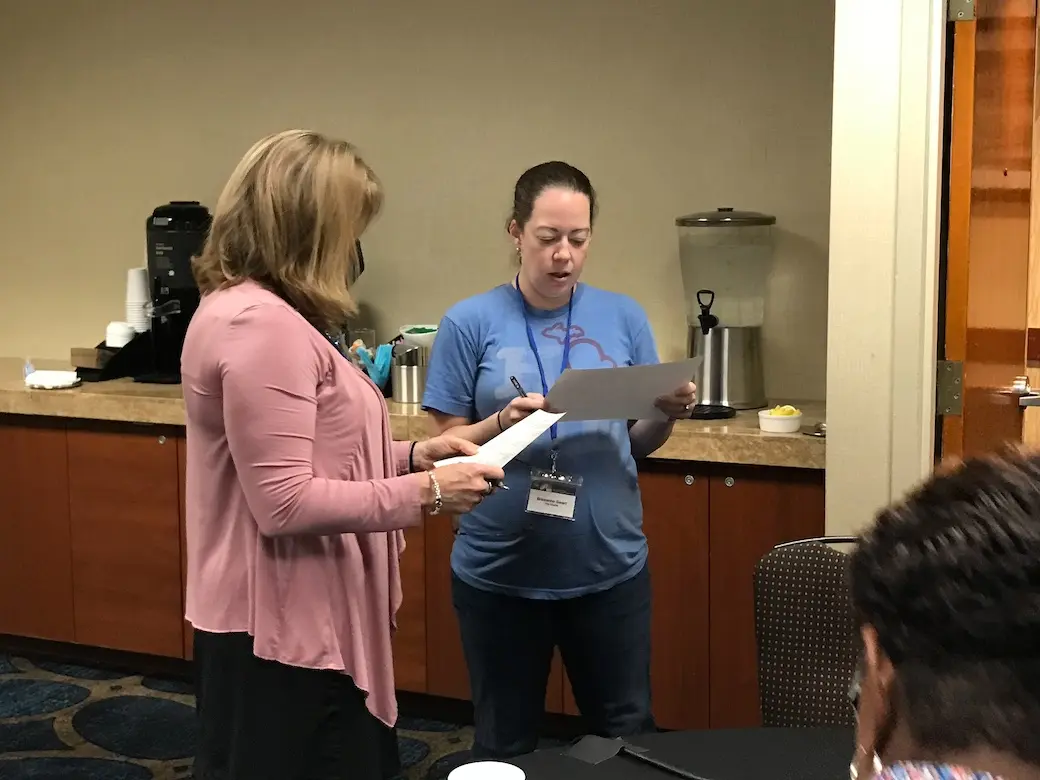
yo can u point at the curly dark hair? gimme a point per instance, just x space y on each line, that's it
950 580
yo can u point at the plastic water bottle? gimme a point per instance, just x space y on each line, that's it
28 368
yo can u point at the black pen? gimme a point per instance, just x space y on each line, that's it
519 388
516 384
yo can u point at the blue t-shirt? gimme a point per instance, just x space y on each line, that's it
482 342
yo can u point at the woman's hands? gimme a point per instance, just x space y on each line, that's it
428 452
519 408
678 404
487 428
462 485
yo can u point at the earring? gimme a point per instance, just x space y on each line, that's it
876 764
518 255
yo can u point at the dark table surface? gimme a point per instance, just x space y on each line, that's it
744 754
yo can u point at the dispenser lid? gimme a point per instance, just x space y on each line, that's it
725 217
181 215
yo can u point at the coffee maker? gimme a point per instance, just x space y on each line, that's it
175 233
725 258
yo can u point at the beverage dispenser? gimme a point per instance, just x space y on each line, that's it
725 257
175 233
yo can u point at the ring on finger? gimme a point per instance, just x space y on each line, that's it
490 488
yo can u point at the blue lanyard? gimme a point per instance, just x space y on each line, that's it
534 345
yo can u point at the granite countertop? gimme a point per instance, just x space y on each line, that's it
737 440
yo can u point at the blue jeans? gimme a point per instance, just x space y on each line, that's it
604 640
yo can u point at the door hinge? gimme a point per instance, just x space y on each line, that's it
949 388
960 10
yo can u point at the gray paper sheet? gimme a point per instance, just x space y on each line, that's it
626 393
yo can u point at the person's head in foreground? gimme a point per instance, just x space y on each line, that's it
289 219
946 588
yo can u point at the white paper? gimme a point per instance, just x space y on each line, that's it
507 445
626 393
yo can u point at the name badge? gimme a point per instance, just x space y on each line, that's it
553 494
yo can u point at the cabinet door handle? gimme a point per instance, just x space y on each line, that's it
688 479
162 439
729 481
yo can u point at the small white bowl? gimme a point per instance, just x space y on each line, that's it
419 339
487 770
776 423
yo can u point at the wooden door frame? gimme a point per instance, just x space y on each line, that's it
971 188
953 233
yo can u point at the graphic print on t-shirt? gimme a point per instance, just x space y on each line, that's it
518 362
558 333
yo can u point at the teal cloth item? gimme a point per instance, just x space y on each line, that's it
378 370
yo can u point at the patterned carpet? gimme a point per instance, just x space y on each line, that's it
80 723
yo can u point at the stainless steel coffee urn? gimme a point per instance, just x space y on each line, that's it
726 257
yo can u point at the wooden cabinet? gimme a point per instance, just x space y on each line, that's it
707 525
410 639
445 663
182 479
35 568
752 509
126 554
91 550
675 519
558 689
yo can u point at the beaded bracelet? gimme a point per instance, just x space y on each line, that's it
438 502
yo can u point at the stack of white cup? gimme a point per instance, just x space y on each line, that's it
138 300
118 334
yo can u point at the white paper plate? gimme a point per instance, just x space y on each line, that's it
51 380
487 770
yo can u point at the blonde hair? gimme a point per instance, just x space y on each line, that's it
288 219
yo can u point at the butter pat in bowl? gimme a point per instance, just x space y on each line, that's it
780 419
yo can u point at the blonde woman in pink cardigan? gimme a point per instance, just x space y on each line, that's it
297 493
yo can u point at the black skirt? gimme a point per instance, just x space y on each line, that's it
262 720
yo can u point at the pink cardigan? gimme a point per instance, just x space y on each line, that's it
294 499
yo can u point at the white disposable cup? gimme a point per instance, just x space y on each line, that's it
137 315
137 285
118 334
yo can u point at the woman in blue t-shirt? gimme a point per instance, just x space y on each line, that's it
558 559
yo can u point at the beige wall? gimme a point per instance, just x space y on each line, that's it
111 107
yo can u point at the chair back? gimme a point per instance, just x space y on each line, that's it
804 627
